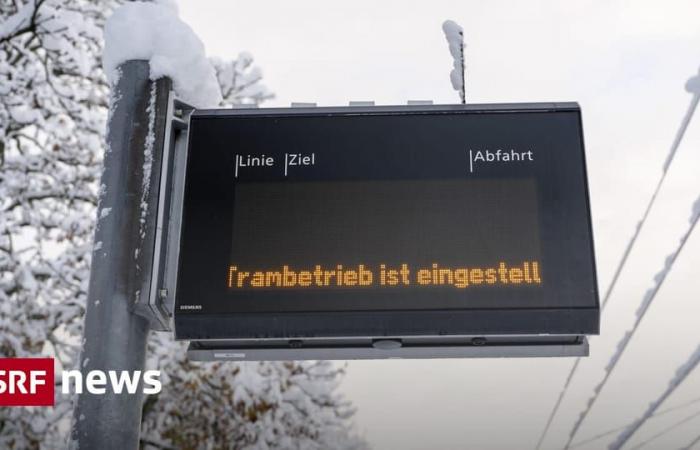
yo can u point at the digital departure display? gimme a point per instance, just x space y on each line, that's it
413 236
297 220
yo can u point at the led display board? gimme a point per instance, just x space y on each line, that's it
376 222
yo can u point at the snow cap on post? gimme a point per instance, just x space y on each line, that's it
455 40
154 32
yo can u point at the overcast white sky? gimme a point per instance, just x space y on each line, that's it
626 63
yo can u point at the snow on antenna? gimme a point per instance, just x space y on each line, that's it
455 40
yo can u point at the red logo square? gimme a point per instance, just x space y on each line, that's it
26 382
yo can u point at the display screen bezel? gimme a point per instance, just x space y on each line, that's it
562 194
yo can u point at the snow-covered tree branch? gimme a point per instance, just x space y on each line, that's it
54 101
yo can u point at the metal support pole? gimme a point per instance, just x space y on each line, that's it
115 335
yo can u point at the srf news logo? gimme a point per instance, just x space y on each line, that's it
30 382
26 382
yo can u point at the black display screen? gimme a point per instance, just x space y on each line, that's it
294 217
408 244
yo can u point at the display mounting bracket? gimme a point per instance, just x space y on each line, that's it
158 303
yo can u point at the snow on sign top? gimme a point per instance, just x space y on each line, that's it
154 32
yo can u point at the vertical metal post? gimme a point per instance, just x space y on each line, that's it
115 335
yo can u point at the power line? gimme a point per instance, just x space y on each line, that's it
667 163
666 430
680 376
691 444
558 403
641 312
676 143
616 429
677 407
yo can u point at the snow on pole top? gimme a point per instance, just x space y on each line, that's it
455 40
154 32
453 33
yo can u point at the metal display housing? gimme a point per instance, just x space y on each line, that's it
346 334
156 300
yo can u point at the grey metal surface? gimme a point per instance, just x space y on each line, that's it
198 352
115 334
158 304
166 278
311 108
